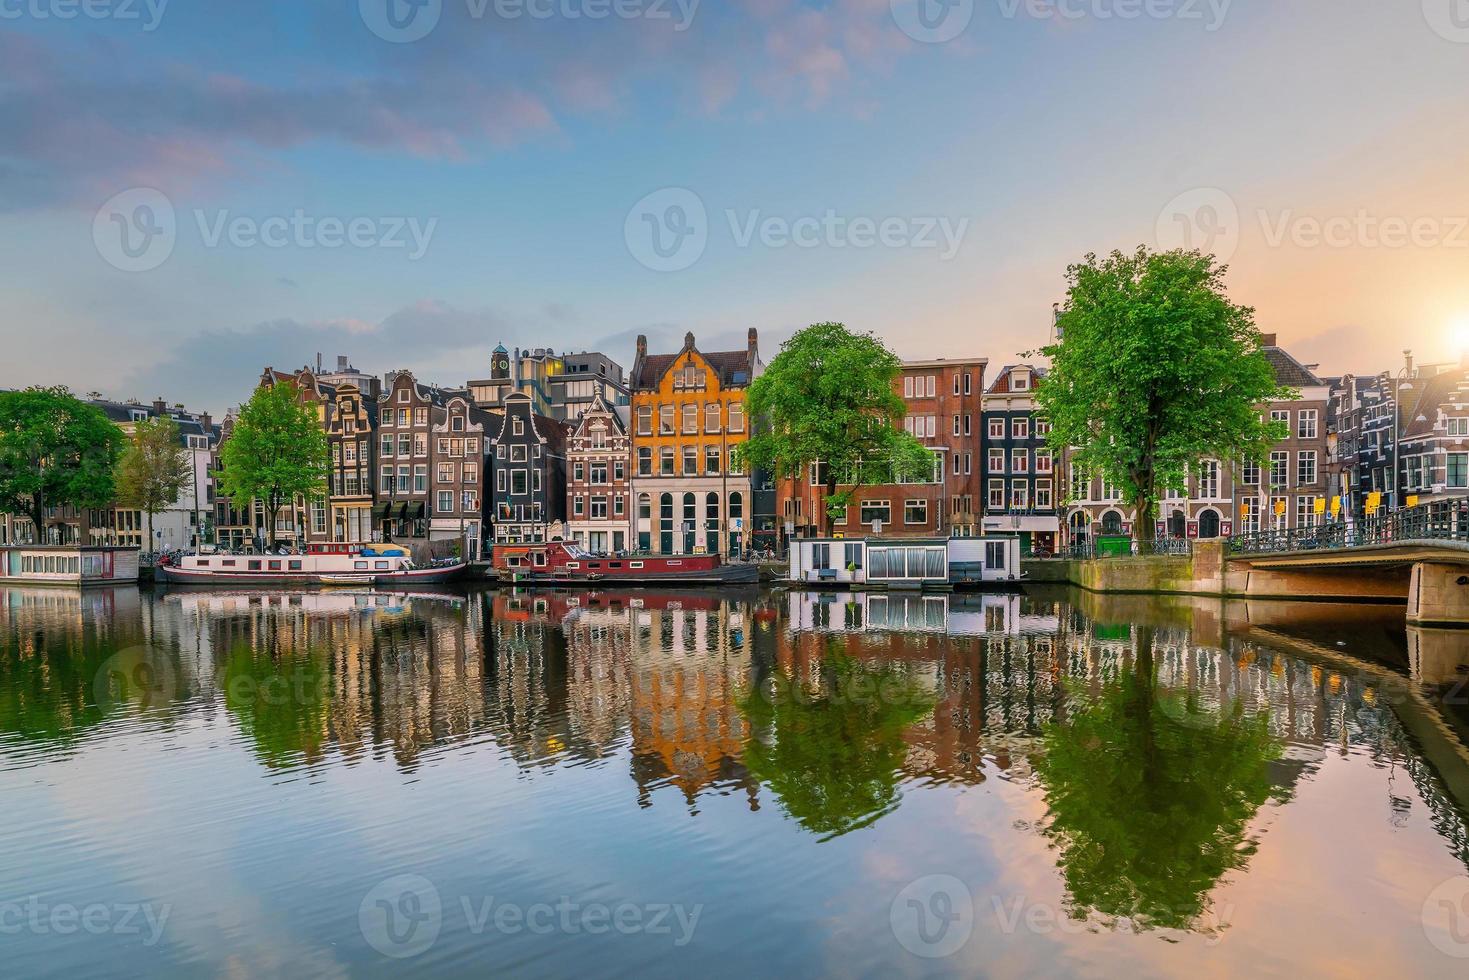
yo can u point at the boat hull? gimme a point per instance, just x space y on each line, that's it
721 575
277 580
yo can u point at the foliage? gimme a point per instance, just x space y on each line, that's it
1149 797
154 469
829 396
54 451
833 755
1156 371
281 700
276 452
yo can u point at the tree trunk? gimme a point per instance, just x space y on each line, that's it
271 506
150 530
1144 527
38 517
831 489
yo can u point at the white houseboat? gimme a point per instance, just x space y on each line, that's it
905 563
39 564
379 566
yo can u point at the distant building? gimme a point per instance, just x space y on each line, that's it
528 502
688 415
1019 475
559 387
945 403
598 479
403 501
584 378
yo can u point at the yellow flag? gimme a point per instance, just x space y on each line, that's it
1412 500
1335 506
1320 506
1280 508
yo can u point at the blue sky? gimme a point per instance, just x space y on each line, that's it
938 189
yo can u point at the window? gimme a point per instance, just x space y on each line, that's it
967 388
1042 428
456 423
599 508
1043 494
519 484
1279 464
599 472
1280 415
470 473
1305 511
1457 427
1277 513
665 461
517 454
420 479
578 505
931 385
956 425
517 426
1209 479
469 500
385 478
915 512
1043 461
444 473
852 556
956 384
1250 473
690 419
736 417
1305 468
1306 424
385 416
403 413
967 429
446 501
420 444
645 461
1458 470
690 461
1020 461
665 420
997 428
420 416
1020 428
385 447
997 461
711 459
876 510
711 417
907 386
405 478
1019 496
405 444
645 420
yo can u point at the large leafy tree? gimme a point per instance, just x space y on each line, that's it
829 398
55 450
154 469
1155 371
276 452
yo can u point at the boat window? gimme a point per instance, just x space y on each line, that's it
573 564
379 564
634 564
294 566
255 566
594 564
675 563
614 564
275 566
513 561
539 558
228 563
360 566
203 562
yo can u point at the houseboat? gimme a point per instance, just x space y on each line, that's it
566 563
905 563
38 564
378 566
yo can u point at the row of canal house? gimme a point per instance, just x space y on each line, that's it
650 464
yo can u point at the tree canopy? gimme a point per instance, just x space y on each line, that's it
829 398
55 450
1155 371
276 452
154 469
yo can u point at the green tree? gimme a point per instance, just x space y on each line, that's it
54 451
1155 371
1150 794
833 754
154 469
276 452
829 398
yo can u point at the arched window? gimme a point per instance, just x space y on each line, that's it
690 507
1112 522
736 505
1177 525
711 507
1209 523
711 417
645 506
665 508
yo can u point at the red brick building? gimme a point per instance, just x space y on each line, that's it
944 399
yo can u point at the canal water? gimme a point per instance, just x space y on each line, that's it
727 784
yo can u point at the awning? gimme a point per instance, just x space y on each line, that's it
380 512
413 511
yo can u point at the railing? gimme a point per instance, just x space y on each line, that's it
1439 520
1086 550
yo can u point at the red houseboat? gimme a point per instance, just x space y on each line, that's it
565 563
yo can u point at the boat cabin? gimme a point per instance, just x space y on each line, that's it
899 563
78 566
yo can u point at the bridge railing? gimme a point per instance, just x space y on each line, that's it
1442 520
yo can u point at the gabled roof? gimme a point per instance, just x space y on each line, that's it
599 408
735 368
1288 371
1001 384
1429 396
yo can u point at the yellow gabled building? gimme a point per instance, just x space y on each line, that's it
687 416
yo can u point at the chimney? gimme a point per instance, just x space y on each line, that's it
642 346
1408 362
753 345
341 363
688 340
206 422
1267 340
160 406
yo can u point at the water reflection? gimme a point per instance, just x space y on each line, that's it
1142 744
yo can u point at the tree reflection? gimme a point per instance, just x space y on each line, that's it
281 701
1149 797
831 749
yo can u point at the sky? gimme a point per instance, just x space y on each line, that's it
190 191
